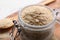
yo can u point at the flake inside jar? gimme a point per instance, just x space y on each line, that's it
37 15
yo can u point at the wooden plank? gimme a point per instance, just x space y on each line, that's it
46 2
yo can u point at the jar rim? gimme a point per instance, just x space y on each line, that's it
34 26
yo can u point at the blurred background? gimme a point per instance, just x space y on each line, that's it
8 7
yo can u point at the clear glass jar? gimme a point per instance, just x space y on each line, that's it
32 32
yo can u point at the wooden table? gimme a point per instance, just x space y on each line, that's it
54 5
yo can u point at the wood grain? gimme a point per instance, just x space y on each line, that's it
46 2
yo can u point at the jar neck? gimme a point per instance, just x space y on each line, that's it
50 26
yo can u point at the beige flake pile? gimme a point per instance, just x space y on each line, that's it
36 15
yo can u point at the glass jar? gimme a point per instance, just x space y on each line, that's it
32 32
